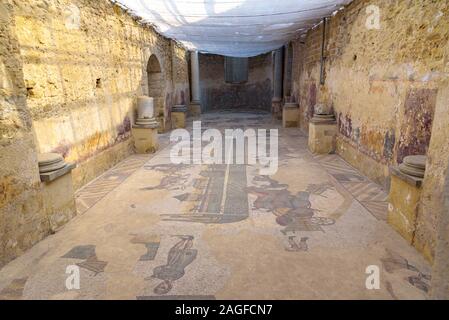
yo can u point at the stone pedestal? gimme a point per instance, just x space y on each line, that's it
57 190
145 138
276 108
322 135
405 194
194 109
145 107
178 116
290 115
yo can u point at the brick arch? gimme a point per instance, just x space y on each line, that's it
155 77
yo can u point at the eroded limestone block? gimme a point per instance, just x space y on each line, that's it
178 116
290 115
405 193
322 136
145 139
57 189
59 200
194 109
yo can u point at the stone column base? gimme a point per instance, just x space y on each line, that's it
290 115
194 109
178 120
162 125
276 108
59 197
178 116
405 192
322 136
145 139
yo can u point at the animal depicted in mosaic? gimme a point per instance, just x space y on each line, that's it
179 257
293 212
86 253
174 178
151 243
220 196
394 262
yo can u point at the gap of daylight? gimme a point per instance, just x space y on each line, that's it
239 28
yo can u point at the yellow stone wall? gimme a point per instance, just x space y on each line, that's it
82 81
386 87
403 207
70 72
22 220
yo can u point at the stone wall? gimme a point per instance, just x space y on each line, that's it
383 84
70 73
216 94
21 205
82 76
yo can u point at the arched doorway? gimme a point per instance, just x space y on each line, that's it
156 86
154 73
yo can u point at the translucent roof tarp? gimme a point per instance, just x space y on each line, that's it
238 28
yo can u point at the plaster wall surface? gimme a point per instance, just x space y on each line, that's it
84 63
384 84
216 94
70 72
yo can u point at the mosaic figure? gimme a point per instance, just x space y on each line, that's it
86 253
151 243
221 196
295 246
173 179
394 262
179 257
293 212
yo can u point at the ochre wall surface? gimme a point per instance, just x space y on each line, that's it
216 94
70 73
21 202
82 81
384 86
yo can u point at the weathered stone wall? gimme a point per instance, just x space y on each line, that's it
70 73
181 92
82 77
21 205
383 85
432 197
216 94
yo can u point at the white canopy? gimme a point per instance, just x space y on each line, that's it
238 28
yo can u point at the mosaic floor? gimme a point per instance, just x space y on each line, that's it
150 229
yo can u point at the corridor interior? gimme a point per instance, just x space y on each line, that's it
97 95
150 229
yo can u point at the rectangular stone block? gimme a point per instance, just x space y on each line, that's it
403 206
145 139
194 109
178 120
290 117
276 109
59 201
322 137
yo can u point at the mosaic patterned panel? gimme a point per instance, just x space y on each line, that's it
367 193
93 192
99 188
